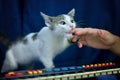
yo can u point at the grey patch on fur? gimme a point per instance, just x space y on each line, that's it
25 41
56 20
59 18
34 37
21 39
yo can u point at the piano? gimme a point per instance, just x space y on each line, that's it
64 73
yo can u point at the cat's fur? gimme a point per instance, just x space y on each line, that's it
42 46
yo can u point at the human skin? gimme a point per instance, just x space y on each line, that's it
97 38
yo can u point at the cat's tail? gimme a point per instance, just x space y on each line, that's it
5 40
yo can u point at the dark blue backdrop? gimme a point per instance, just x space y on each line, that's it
20 17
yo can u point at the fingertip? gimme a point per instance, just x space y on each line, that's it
80 45
73 30
74 40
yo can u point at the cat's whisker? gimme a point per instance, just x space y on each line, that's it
81 23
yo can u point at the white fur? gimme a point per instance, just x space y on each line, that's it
48 44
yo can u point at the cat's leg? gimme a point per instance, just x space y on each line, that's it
47 62
9 63
46 55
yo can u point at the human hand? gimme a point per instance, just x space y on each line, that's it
96 38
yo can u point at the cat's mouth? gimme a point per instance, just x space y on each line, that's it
70 32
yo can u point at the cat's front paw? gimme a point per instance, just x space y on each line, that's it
50 67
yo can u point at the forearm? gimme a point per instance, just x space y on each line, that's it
115 48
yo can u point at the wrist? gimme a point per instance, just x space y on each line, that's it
115 47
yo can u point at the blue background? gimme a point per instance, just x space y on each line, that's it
20 17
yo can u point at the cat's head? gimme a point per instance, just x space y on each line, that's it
63 23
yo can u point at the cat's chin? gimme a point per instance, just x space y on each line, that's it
69 32
68 35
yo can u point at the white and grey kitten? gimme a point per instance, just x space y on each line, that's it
44 45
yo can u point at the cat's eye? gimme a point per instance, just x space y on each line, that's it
72 21
63 22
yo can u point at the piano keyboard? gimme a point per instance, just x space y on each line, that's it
65 73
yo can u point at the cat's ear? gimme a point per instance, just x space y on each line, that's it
72 12
48 19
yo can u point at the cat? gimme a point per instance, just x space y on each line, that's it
44 45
